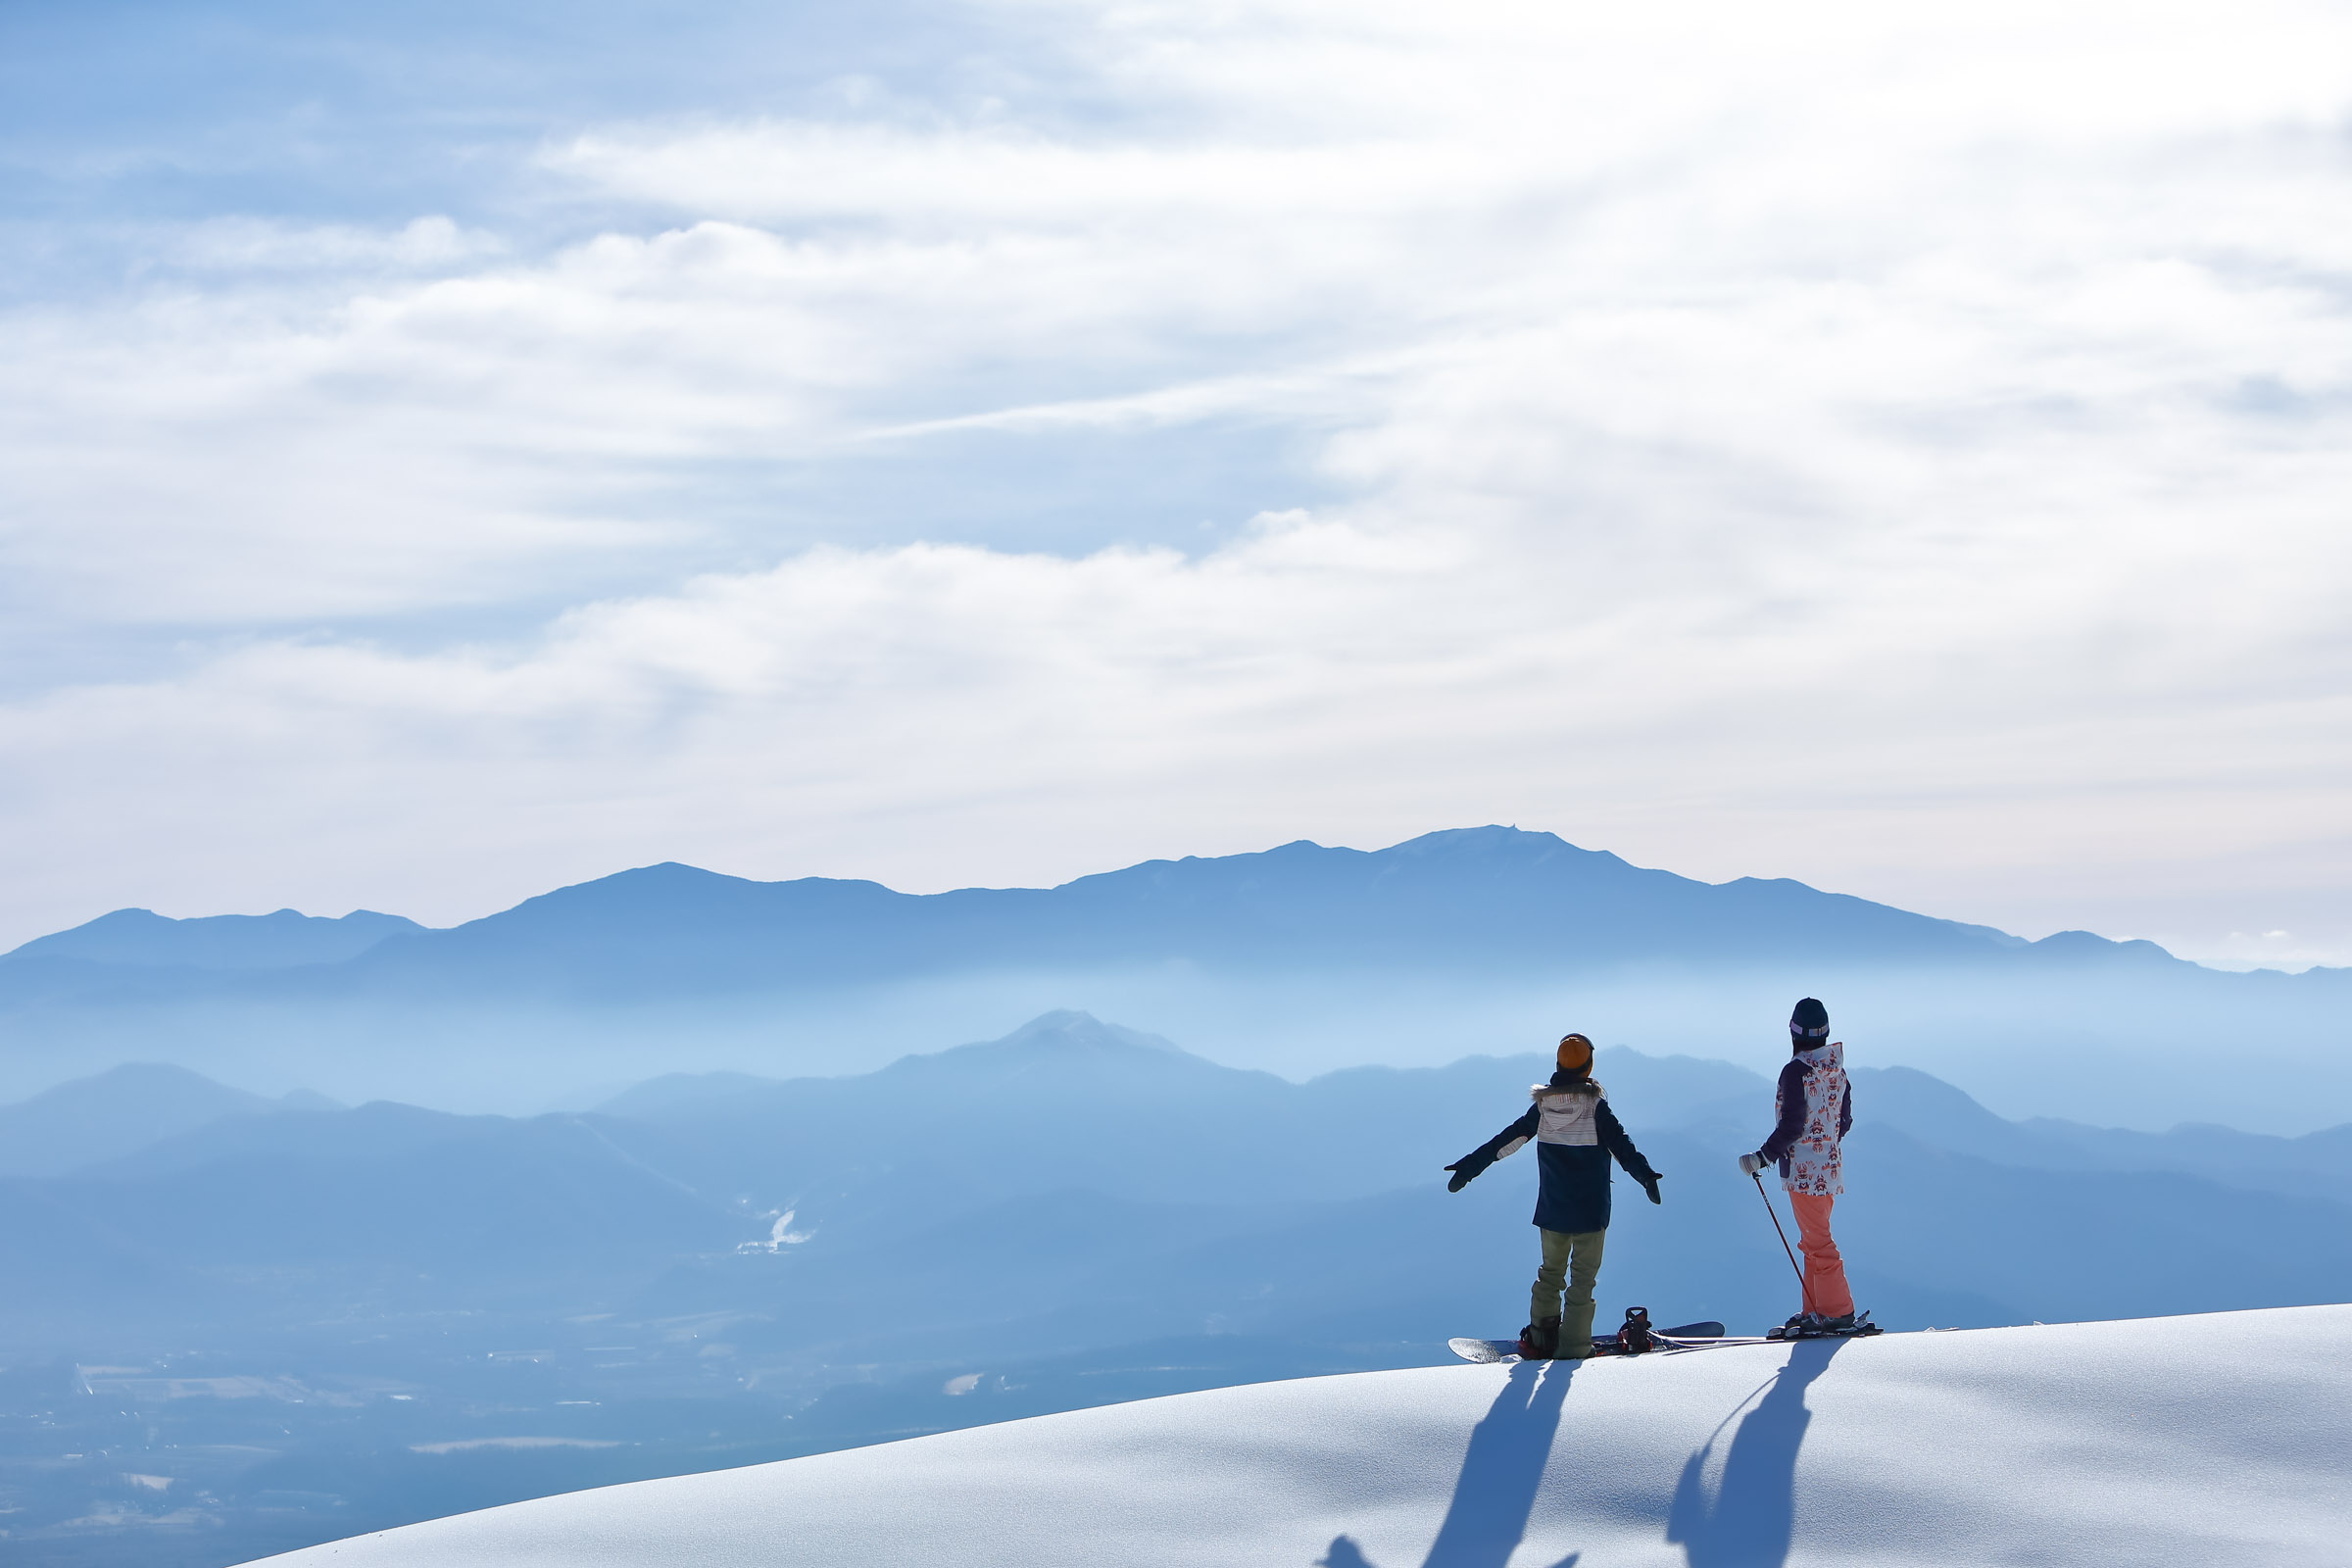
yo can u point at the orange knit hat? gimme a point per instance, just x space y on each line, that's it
1576 1053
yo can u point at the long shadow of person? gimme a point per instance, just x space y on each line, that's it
1495 1493
1750 1521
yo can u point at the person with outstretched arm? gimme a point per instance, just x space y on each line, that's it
1575 1134
1814 1109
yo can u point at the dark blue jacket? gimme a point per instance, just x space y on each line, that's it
1575 1134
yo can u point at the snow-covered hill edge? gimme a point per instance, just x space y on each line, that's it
2217 1438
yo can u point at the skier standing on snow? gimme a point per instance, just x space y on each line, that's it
1575 1133
1815 1109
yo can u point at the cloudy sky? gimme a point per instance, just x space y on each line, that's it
451 450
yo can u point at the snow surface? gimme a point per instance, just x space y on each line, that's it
2210 1440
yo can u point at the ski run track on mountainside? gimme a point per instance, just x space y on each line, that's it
2223 1438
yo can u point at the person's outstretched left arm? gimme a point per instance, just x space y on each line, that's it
1613 1139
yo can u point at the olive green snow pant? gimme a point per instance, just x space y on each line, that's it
1573 1259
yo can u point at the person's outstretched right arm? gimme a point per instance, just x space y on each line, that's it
1789 1128
1503 1146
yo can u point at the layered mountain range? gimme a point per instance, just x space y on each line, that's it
318 1319
1298 960
1039 1168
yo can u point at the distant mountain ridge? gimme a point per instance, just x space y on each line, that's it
283 940
1488 899
120 1111
1300 958
1491 899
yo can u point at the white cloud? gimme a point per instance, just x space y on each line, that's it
245 245
1900 450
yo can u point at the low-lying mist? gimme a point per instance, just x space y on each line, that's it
2142 1051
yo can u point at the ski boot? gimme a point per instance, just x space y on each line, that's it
1540 1342
1815 1326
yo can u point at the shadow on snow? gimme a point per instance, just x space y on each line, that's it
1747 1523
1495 1493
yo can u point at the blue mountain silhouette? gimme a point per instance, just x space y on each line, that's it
1300 959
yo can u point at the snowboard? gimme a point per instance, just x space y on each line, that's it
1685 1337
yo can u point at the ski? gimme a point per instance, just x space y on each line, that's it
1707 1342
1862 1329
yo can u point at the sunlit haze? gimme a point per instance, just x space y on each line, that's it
454 455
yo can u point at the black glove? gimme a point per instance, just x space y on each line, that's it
1649 1185
1462 1172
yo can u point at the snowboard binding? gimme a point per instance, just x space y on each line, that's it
1634 1337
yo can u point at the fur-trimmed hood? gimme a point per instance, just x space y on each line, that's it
1581 1086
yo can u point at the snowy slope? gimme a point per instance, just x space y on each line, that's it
2213 1440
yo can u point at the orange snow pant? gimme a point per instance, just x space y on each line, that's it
1826 1291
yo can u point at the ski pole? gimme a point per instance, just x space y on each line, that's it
1758 1177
